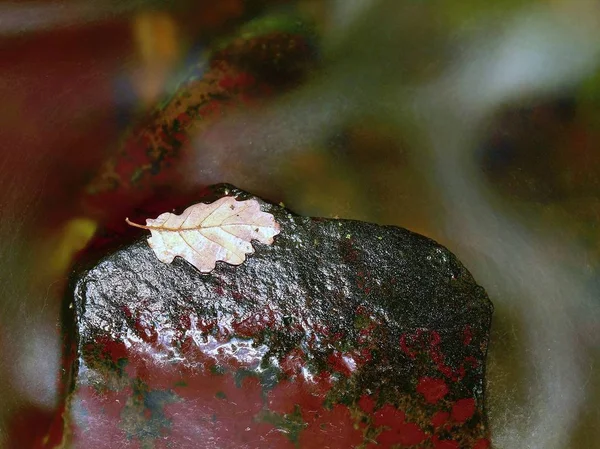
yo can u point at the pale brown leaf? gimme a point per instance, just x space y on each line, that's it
205 233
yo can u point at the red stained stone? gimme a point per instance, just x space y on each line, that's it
284 397
367 404
309 394
339 363
222 360
110 349
410 434
243 80
432 389
227 82
467 336
293 362
472 361
223 430
183 119
463 409
445 444
440 418
406 348
212 399
389 416
434 338
255 323
181 137
330 428
104 411
483 443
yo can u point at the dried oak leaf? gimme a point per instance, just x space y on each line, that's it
205 233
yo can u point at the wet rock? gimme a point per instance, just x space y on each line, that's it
342 334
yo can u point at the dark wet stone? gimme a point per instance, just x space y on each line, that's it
341 334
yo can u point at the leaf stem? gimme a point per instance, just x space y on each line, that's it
135 225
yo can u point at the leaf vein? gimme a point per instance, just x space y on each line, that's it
188 243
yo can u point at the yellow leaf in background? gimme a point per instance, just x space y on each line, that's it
74 237
160 49
206 233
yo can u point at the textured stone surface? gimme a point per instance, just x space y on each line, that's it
341 334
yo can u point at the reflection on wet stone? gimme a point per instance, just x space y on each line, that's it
341 334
